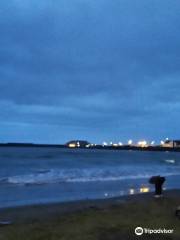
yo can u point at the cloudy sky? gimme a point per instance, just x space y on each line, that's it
88 69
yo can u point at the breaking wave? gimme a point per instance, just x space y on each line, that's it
84 175
171 161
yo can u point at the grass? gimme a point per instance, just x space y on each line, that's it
114 222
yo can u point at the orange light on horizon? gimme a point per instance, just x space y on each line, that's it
142 143
72 145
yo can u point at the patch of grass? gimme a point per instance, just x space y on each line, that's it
111 223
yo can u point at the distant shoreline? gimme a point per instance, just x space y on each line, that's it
100 147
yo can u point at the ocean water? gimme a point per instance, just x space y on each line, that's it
43 175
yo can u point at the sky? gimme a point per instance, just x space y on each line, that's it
86 69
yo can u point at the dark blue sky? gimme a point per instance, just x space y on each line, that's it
88 69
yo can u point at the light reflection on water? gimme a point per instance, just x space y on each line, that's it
143 189
131 191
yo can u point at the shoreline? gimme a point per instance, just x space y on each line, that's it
69 207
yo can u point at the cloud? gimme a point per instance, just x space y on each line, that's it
80 65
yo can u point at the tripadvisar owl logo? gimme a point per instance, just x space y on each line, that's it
139 231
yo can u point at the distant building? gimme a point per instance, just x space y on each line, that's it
77 143
171 143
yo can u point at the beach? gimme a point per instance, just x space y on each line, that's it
105 219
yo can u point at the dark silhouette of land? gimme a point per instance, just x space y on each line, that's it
124 147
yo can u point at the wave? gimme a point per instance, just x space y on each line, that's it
171 161
84 175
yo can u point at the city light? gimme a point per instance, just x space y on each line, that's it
142 143
115 144
72 145
105 144
131 144
162 142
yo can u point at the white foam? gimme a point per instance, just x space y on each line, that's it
85 175
172 161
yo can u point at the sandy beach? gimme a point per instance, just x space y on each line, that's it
107 219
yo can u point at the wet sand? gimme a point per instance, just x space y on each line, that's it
107 219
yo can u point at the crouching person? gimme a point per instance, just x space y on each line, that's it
158 182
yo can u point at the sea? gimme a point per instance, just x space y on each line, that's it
34 175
